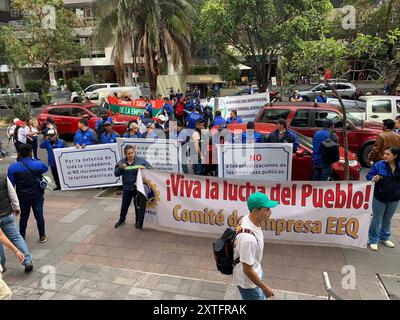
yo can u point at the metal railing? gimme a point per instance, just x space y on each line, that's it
328 287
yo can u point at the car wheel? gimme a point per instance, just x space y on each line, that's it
364 156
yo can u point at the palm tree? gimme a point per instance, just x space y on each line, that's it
157 29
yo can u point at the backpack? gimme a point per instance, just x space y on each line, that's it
223 250
10 131
330 150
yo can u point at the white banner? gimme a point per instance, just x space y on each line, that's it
162 154
247 106
313 213
255 161
91 167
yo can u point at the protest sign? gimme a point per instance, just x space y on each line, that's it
91 167
133 108
162 154
255 161
247 106
311 213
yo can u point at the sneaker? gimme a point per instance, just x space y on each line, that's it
57 188
43 239
28 267
119 223
388 243
4 269
374 246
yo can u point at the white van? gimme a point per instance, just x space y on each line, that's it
133 92
372 108
91 88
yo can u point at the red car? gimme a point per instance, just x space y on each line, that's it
302 166
67 116
308 118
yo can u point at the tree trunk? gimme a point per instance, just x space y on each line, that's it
345 139
395 83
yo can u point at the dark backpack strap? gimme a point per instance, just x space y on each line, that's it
248 231
31 172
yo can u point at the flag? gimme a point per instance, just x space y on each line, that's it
139 183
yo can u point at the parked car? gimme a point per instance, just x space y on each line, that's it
67 116
302 166
9 93
75 95
308 118
133 92
346 90
273 95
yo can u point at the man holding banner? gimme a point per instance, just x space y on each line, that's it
128 168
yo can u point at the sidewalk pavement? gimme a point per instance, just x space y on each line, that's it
93 260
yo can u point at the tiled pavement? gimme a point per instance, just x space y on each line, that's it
92 260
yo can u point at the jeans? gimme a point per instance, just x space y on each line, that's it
198 169
139 201
379 230
37 207
8 226
34 144
252 294
322 172
55 176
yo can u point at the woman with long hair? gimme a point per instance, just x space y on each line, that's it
386 175
32 136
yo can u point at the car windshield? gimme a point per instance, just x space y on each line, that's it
357 122
97 110
303 140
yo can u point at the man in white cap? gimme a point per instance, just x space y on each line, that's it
162 125
249 247
296 97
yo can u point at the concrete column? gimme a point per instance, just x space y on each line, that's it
88 70
52 77
128 76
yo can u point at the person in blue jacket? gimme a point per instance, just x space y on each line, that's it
24 176
322 98
251 135
193 117
85 136
218 120
322 171
234 118
50 143
166 109
148 107
134 131
386 175
189 105
109 136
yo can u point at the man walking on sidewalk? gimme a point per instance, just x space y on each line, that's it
25 175
9 208
249 247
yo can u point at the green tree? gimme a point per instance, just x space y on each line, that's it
253 32
33 45
155 29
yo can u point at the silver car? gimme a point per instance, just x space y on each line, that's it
345 89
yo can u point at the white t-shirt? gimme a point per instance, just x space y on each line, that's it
22 134
250 250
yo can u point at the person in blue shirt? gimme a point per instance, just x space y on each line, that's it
84 136
193 117
250 89
250 135
322 98
109 136
234 118
218 120
100 123
50 143
189 105
25 175
322 171
166 109
148 107
386 175
133 131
